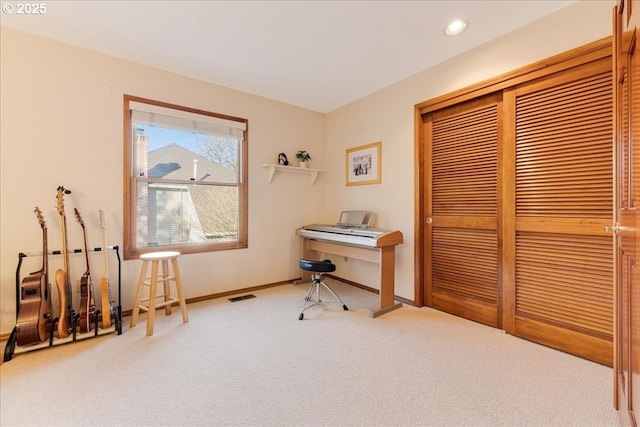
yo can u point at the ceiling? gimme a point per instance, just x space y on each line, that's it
318 55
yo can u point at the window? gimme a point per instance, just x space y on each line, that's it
185 179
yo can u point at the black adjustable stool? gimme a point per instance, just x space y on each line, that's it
317 268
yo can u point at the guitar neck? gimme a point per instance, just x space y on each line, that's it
45 267
44 291
65 253
105 247
45 256
86 249
45 264
86 245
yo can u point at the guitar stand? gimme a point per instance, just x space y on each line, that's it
95 315
10 348
74 324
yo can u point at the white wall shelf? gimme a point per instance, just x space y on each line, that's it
313 173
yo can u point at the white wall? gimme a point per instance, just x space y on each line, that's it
61 124
387 116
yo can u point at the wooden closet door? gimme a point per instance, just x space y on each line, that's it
558 279
462 245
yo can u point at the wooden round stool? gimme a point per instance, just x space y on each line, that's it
149 303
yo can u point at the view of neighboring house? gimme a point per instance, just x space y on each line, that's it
172 211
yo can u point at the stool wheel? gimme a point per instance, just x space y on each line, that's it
301 316
345 308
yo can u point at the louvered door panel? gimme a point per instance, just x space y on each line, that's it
464 273
563 195
464 164
565 279
563 151
463 248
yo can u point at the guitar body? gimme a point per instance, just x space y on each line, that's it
31 327
85 304
63 315
107 311
34 313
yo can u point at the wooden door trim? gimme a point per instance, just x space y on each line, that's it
616 41
572 58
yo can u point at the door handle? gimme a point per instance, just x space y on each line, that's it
616 229
429 220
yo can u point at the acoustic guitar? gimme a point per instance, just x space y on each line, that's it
105 286
66 313
87 305
34 315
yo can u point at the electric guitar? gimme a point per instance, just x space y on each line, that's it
34 315
87 305
105 286
66 315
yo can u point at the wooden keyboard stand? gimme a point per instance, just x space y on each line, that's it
382 254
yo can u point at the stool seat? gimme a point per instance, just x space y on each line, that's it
325 266
159 255
149 304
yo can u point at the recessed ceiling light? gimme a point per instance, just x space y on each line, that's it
456 27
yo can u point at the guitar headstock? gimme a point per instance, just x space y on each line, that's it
103 223
60 199
40 217
78 217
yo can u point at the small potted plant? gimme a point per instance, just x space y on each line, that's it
303 157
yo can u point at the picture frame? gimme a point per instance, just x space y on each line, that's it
364 164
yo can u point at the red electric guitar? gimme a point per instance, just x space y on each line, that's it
66 315
105 286
87 305
34 315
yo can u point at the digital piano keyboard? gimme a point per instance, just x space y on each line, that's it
367 237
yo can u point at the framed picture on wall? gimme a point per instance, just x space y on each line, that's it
364 164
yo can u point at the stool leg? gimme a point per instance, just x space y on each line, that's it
334 295
136 301
307 301
178 280
167 288
153 285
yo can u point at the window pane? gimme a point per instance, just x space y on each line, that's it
169 214
163 153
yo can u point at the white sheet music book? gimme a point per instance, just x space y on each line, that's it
356 219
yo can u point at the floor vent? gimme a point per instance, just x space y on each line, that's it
242 297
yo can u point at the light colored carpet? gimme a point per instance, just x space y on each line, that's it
254 363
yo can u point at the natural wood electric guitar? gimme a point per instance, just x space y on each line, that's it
66 314
105 286
87 305
34 315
